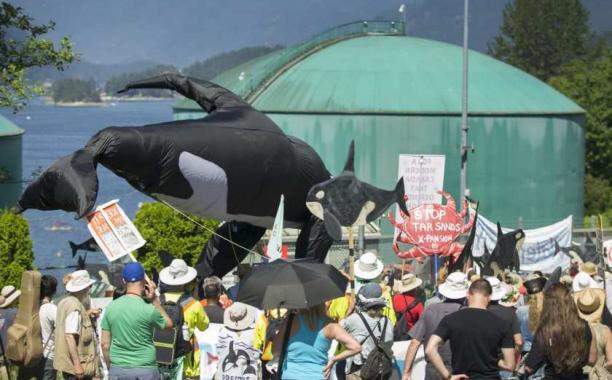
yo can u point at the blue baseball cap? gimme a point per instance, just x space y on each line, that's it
133 272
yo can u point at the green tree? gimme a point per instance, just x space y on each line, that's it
22 46
541 36
589 83
164 229
16 253
75 90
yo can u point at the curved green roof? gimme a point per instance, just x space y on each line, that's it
397 75
7 128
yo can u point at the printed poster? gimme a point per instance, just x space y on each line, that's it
114 232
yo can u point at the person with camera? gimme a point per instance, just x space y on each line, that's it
127 328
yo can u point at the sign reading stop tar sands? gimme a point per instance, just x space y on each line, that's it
432 227
114 232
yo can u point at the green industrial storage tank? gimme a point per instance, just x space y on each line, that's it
397 95
10 162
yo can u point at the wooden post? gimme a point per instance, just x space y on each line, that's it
351 245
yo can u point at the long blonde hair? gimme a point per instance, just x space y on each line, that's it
535 302
313 316
562 332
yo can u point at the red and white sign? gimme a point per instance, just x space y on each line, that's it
114 232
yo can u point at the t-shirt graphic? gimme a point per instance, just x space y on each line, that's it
238 360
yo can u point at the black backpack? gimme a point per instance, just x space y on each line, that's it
169 344
379 363
400 331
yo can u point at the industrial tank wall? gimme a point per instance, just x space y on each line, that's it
527 170
10 162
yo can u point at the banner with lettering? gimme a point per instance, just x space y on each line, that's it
538 251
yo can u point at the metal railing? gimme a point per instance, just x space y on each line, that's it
252 84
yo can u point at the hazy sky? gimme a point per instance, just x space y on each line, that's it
182 31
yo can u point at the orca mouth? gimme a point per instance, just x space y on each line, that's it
316 209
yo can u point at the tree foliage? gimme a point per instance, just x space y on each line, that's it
22 46
75 90
541 36
118 82
217 64
164 229
16 253
589 83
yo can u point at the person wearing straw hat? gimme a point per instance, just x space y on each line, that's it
180 283
128 324
9 296
405 302
453 291
589 268
238 358
75 355
475 336
591 303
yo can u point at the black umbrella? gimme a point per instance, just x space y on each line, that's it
298 284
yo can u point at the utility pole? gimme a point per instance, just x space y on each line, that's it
463 190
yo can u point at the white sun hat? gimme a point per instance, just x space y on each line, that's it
178 273
79 280
455 286
368 266
499 288
584 281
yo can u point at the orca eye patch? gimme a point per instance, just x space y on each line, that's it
320 194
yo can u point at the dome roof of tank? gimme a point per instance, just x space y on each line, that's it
392 75
7 128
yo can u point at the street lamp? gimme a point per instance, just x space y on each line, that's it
463 189
402 10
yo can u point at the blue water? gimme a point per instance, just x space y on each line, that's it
52 132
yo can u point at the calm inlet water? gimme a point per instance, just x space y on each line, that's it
52 132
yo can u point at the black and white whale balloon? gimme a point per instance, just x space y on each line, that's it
231 165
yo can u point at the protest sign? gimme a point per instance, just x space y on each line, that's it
423 177
275 243
113 231
607 246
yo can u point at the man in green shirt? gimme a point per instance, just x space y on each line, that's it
127 328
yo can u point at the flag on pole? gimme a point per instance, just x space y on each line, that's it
276 237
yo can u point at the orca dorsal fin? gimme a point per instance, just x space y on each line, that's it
500 233
349 166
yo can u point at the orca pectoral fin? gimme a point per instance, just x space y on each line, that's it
332 225
207 94
70 184
73 248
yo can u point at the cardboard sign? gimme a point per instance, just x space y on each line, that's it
423 177
114 232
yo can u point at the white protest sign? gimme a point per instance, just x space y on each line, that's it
607 246
423 177
113 231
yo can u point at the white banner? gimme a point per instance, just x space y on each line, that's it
538 251
275 244
423 177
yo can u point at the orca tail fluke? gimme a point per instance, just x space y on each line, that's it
207 94
70 184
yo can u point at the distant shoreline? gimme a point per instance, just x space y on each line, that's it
106 101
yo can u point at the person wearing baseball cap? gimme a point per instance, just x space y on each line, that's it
128 324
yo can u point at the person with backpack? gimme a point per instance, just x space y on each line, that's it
128 325
188 314
406 304
374 332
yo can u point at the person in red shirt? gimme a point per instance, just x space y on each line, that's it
405 300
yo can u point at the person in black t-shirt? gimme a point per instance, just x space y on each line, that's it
476 336
213 308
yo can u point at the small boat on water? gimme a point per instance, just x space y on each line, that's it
59 226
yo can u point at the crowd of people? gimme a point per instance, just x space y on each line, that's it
469 326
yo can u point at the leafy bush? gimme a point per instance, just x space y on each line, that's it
16 255
165 229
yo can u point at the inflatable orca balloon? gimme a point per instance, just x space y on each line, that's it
231 165
345 201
